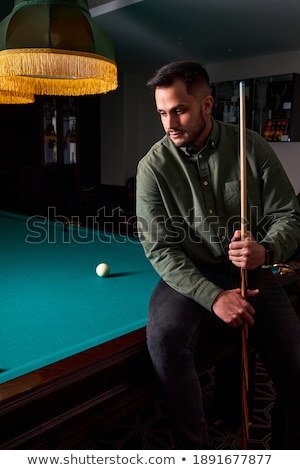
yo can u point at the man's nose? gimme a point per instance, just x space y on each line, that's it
171 121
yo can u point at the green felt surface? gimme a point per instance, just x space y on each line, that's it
52 302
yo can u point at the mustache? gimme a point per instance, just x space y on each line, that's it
177 129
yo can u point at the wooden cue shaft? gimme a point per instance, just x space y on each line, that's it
243 161
243 177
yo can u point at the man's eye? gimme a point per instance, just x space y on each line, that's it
179 111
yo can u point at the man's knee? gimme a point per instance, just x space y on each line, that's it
164 340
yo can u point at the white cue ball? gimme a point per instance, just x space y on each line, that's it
102 270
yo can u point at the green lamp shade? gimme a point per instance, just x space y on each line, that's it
55 47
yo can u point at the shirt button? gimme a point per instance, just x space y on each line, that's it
205 183
200 155
210 211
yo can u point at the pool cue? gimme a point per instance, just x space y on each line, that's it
244 358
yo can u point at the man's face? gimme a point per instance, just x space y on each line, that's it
185 118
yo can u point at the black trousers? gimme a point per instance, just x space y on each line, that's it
178 327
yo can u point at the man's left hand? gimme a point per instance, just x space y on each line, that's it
246 253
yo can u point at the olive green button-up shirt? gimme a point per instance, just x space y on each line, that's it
188 206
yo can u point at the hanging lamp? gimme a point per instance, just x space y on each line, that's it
54 47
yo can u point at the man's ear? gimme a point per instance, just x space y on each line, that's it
207 104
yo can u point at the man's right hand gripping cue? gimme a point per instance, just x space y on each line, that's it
229 305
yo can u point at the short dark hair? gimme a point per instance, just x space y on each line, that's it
192 73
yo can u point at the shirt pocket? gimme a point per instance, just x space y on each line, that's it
232 198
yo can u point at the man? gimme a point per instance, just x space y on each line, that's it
188 208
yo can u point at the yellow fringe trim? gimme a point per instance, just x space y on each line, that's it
9 98
56 72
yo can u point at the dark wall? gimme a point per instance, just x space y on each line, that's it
20 146
5 8
29 186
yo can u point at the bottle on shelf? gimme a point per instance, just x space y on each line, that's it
225 113
73 140
70 143
50 142
232 114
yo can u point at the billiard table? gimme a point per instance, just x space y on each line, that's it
73 355
72 344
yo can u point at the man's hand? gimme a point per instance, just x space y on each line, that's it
233 309
247 253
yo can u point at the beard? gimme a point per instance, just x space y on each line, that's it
183 137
